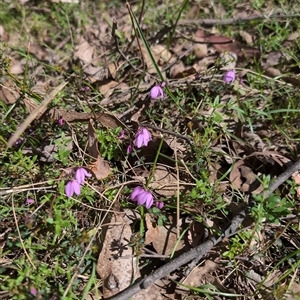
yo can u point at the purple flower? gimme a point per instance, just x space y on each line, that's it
33 291
80 175
121 135
229 76
142 197
157 91
142 137
159 204
60 121
129 149
29 201
72 187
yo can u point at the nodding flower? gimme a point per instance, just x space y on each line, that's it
142 197
142 137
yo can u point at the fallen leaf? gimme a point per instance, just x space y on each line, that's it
41 53
247 37
4 36
84 51
198 276
164 181
161 53
106 89
9 92
100 167
177 69
117 266
166 241
152 230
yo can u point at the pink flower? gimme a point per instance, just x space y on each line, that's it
229 76
142 197
33 291
142 138
129 149
157 92
60 121
80 175
121 135
29 201
72 187
159 204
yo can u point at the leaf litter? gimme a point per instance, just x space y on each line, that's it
240 160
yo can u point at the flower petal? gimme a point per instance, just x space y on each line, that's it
69 190
149 199
136 191
229 76
76 187
139 140
141 198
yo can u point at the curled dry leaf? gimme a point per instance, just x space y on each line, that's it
198 276
177 69
105 119
108 88
164 181
100 167
9 92
38 51
247 37
161 53
117 264
84 51
152 230
166 241
4 37
242 175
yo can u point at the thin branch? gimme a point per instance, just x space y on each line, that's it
201 250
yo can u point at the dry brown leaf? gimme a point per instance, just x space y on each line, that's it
272 59
164 181
31 105
293 36
150 67
117 272
195 234
17 68
161 54
152 230
198 276
9 92
84 51
100 167
92 140
186 73
296 177
108 88
97 73
117 265
247 37
166 240
105 119
38 51
200 50
4 37
177 69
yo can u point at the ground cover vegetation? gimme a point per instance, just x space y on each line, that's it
149 149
